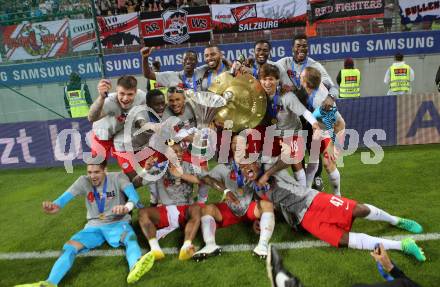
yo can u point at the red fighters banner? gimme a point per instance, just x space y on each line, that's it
233 18
176 26
339 10
119 31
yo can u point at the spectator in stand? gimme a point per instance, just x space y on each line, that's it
130 6
105 7
388 15
358 27
121 7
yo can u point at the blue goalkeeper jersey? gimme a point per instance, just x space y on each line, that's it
328 118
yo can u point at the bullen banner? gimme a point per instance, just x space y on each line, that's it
176 26
338 10
82 32
120 30
233 18
36 40
419 10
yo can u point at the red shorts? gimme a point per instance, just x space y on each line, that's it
163 221
229 218
296 144
126 159
329 217
101 147
256 145
199 161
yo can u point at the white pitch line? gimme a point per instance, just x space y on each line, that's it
228 248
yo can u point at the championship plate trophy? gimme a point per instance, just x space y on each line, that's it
245 98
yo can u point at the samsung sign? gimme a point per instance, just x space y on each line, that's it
323 49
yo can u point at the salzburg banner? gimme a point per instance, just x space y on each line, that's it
176 26
118 31
233 18
338 10
36 40
82 32
419 10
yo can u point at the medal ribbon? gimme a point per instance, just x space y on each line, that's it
194 82
100 201
210 74
239 176
273 107
311 98
255 72
296 79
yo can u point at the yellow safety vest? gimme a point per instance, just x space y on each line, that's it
77 102
400 78
350 83
154 85
435 26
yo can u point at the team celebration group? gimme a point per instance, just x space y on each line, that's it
251 168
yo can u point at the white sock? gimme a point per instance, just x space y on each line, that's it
300 177
311 170
154 244
367 242
335 181
267 225
203 193
153 192
208 229
377 214
281 278
187 244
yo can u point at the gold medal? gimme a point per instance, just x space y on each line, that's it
101 216
274 121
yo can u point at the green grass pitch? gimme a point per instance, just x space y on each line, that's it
405 183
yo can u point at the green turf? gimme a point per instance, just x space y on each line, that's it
405 183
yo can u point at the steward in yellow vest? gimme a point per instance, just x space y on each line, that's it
399 77
77 97
349 80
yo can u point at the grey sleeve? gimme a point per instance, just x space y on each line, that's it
110 105
123 181
220 172
284 78
294 105
168 79
80 186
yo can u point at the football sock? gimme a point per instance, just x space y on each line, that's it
281 278
187 244
367 242
132 251
154 244
335 181
310 173
300 177
63 264
377 214
208 229
267 225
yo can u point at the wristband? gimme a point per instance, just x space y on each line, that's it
129 205
224 193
